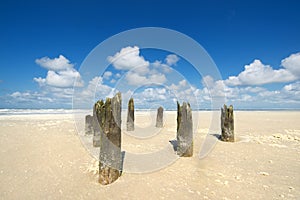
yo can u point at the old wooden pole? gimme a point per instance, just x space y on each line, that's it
184 130
159 117
227 124
97 112
89 125
130 115
109 118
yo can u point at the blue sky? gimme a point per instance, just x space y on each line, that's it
42 36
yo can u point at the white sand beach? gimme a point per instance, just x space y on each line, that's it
42 157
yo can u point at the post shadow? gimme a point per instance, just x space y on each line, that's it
122 161
174 143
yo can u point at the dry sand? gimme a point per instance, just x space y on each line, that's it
42 157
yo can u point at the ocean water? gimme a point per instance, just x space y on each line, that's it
89 111
41 111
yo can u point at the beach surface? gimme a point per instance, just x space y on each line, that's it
43 157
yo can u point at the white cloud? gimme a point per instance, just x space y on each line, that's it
95 88
183 83
172 59
157 78
183 91
153 94
61 93
215 88
162 66
292 87
292 64
141 71
61 73
251 97
128 58
41 81
64 78
134 78
208 81
291 93
219 89
258 74
55 64
242 90
56 89
107 74
30 97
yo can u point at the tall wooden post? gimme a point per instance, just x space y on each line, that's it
89 125
96 124
184 130
227 124
109 118
159 117
130 115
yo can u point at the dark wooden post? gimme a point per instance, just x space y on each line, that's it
184 130
109 118
227 124
98 111
89 125
130 115
159 117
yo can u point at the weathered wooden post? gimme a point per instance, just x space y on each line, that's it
109 118
89 125
98 107
130 115
184 130
227 124
159 117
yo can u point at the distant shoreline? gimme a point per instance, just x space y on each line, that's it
82 111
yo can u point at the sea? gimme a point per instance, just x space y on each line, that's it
89 111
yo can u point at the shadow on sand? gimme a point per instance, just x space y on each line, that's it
218 136
122 161
174 144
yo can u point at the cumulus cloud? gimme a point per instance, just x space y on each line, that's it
243 90
162 66
134 78
56 88
64 78
118 75
215 88
107 74
153 94
172 59
258 73
292 87
139 70
55 64
251 96
96 89
284 97
30 97
128 58
292 64
184 91
61 73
